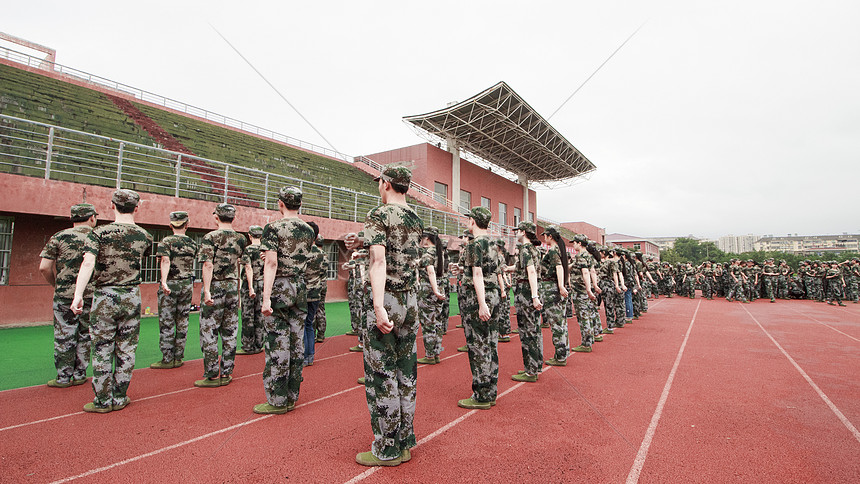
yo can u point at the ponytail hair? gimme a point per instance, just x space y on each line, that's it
533 239
440 262
562 249
593 251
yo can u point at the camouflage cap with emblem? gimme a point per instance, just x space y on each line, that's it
83 211
125 198
481 216
255 231
178 219
527 227
396 174
225 210
430 230
580 238
552 230
291 196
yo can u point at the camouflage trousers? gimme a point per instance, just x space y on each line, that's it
391 373
173 312
445 311
690 288
736 290
613 304
284 344
553 313
71 340
853 291
769 285
587 316
114 328
504 323
782 287
320 321
428 314
220 319
528 323
482 340
354 299
835 290
707 289
366 307
252 318
818 284
638 303
808 287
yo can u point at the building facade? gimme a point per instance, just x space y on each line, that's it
634 243
737 244
809 244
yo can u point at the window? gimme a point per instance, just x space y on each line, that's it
637 246
465 201
485 202
503 213
7 225
333 259
440 192
532 217
518 215
150 267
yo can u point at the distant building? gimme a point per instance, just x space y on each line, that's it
809 244
665 243
636 243
737 244
593 232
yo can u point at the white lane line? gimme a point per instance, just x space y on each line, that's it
141 399
639 462
364 475
842 418
195 439
824 324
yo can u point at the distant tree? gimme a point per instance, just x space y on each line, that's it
692 250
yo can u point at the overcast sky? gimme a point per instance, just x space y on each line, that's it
717 118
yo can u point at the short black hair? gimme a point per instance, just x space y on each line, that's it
81 219
225 218
125 208
315 227
402 189
292 206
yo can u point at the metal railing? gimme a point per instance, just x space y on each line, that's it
51 152
39 63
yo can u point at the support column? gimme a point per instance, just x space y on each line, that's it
454 149
522 180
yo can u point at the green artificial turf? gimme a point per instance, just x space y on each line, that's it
27 354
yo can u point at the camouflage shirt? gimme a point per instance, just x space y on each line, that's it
548 262
66 249
253 255
118 248
181 250
527 255
577 281
481 252
224 248
315 273
399 229
428 259
292 238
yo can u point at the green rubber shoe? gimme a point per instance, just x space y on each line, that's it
504 339
428 360
208 383
92 408
266 409
357 349
471 403
405 455
370 460
162 365
463 349
582 349
524 377
56 384
361 381
554 362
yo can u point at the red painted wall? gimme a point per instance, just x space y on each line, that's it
593 232
433 164
40 208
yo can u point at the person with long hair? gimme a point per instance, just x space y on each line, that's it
553 286
584 297
528 303
430 297
632 283
611 290
593 256
504 285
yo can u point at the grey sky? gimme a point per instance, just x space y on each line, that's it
716 118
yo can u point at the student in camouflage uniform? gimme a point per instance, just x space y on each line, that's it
481 305
736 281
60 263
612 288
221 253
445 287
314 280
835 283
583 294
504 322
112 255
320 321
770 274
430 296
528 303
708 281
365 295
393 233
554 278
253 331
287 244
176 253
818 276
852 279
688 280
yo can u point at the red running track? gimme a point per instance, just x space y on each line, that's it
695 391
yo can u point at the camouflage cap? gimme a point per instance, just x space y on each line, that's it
225 210
83 210
290 195
177 219
580 238
255 231
362 252
552 230
360 234
396 175
527 227
481 215
468 234
125 198
500 242
431 230
320 240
